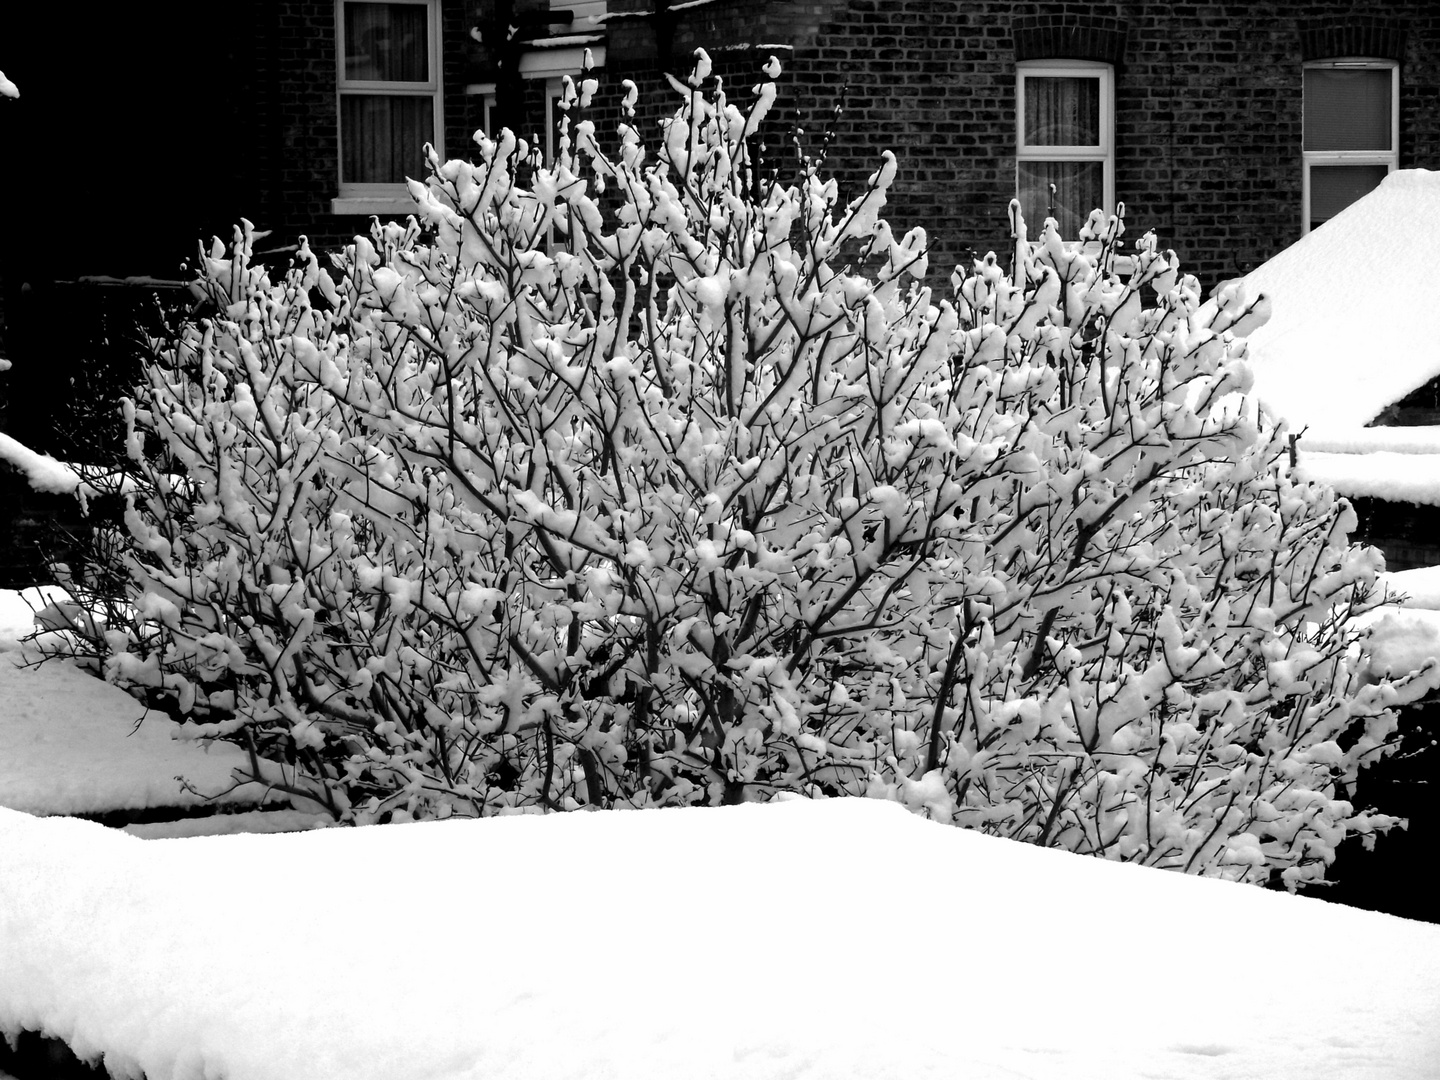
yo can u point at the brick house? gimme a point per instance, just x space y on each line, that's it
1230 128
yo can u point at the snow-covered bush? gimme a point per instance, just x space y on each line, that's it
611 488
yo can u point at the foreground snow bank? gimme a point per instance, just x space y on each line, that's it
797 940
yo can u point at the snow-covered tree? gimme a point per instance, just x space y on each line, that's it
603 483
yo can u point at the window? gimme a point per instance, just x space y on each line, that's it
554 92
1351 133
389 100
482 97
1065 137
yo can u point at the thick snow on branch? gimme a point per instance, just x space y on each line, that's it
41 471
44 473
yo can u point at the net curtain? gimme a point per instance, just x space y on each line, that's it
384 133
1061 111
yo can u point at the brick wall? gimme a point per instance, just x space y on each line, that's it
294 90
1208 106
1207 120
1208 102
1208 109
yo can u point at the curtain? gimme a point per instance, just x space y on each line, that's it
1062 111
1347 109
1079 188
387 42
383 136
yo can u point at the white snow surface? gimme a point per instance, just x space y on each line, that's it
1402 640
1397 440
1352 329
70 744
245 821
18 609
1420 586
1383 474
791 941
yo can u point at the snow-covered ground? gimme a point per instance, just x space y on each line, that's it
103 756
795 940
1420 586
71 744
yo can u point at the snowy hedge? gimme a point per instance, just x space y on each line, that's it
601 483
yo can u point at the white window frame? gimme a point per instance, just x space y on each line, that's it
486 93
1389 158
1104 152
355 198
554 88
550 65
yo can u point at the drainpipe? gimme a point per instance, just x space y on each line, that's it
507 34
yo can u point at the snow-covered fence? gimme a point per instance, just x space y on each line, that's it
532 503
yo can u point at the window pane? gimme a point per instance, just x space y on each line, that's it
1334 187
1079 188
386 42
1062 111
384 137
1347 109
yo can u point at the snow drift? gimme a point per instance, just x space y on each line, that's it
1354 302
739 943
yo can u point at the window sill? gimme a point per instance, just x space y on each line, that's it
372 204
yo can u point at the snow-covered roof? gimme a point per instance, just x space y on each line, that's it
1355 309
792 941
1379 474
